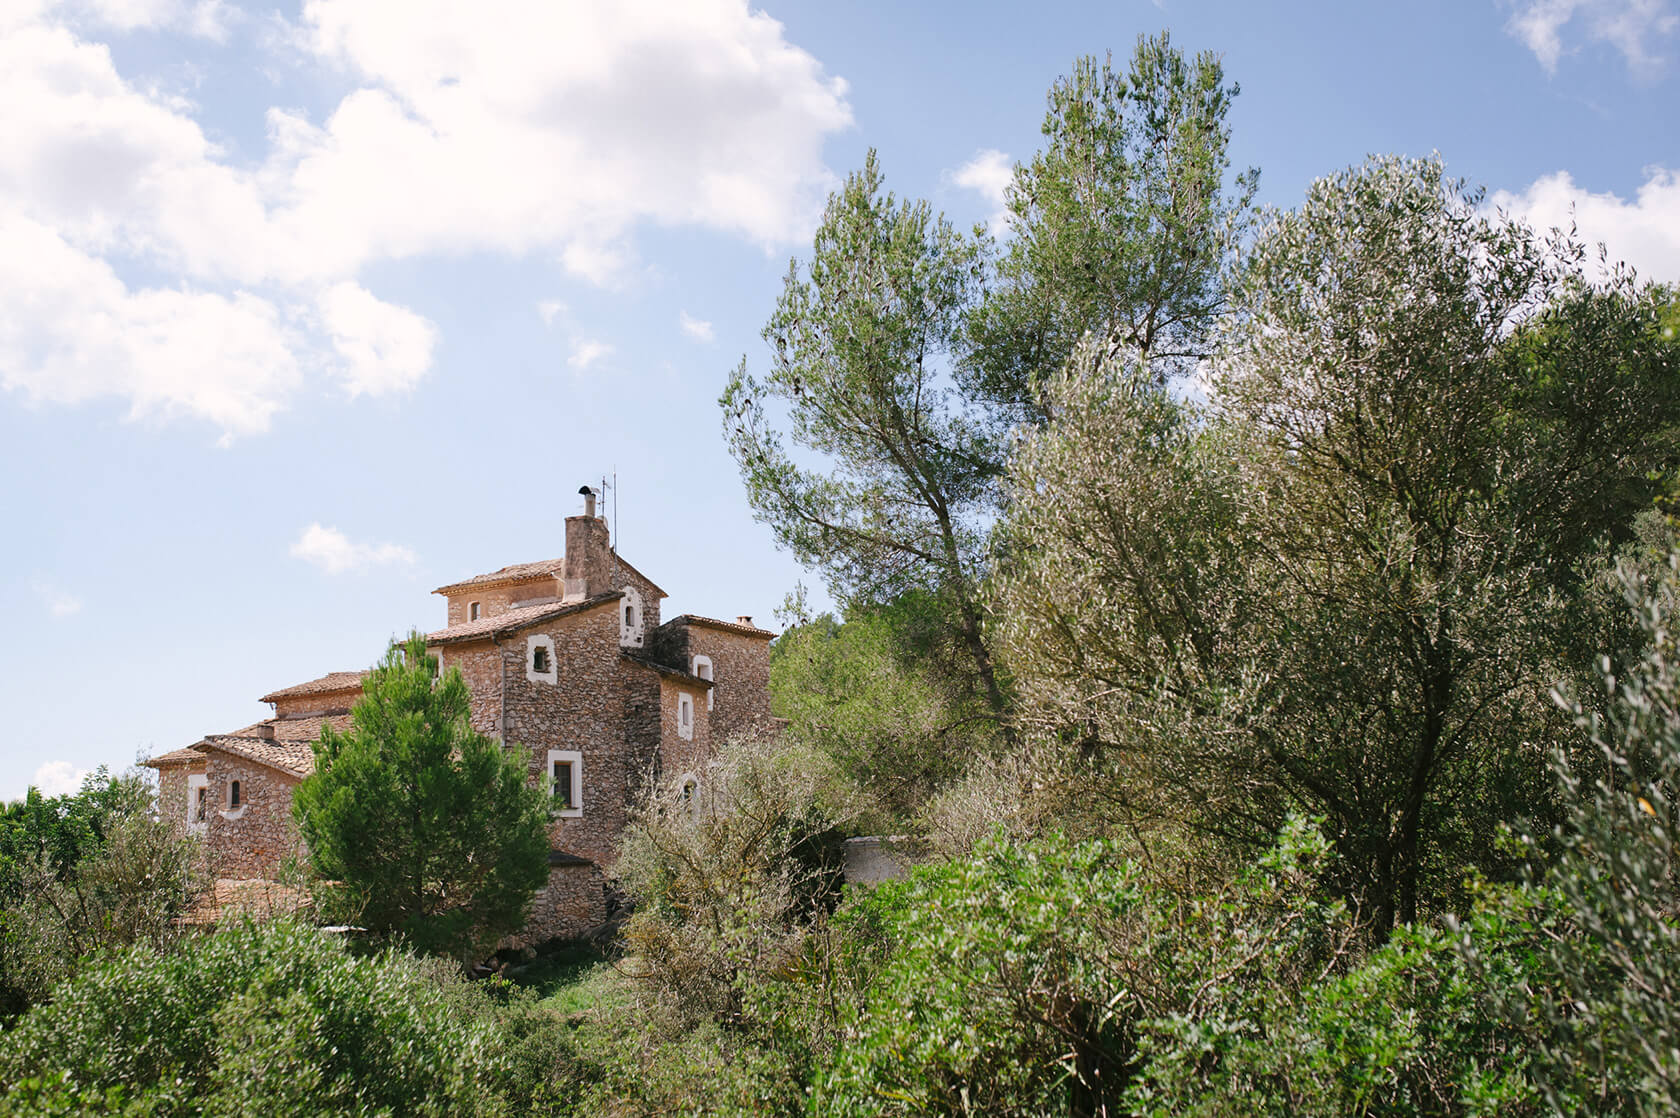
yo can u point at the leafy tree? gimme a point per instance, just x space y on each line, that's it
1122 224
83 872
862 341
1347 586
883 695
427 830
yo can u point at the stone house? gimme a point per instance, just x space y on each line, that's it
566 659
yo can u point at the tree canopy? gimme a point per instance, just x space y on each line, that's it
428 831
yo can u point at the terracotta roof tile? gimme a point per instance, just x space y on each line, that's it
291 757
726 626
527 572
647 661
518 572
331 682
174 757
515 619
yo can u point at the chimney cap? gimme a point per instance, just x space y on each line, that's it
585 491
744 619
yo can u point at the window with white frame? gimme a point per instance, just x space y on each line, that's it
540 665
473 610
703 669
689 796
630 618
198 802
685 716
565 782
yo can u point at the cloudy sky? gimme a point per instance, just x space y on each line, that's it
307 309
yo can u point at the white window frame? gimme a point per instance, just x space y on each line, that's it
195 781
532 643
685 716
694 669
630 631
576 760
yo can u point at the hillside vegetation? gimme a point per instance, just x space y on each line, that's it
1264 622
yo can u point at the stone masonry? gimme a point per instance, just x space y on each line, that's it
567 661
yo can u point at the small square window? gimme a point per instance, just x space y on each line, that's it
472 611
540 660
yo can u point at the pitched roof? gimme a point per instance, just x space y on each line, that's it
289 750
518 572
174 757
290 757
332 681
726 626
516 619
647 661
526 572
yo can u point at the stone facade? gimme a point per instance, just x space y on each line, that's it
566 660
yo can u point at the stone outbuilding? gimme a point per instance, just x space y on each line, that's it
568 661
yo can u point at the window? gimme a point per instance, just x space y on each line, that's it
689 798
233 795
198 802
540 661
565 782
703 669
632 618
472 611
685 716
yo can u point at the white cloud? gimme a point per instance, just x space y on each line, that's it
59 602
58 778
697 328
336 553
385 348
510 126
550 309
989 174
585 352
1644 232
1633 27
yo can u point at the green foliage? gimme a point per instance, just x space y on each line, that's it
886 699
279 1019
862 341
728 873
81 872
1347 587
1606 1018
1122 225
427 830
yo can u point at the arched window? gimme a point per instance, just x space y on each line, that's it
631 619
702 667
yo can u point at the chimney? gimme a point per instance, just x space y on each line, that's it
265 731
747 621
588 553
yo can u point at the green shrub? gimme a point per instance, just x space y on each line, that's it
280 1019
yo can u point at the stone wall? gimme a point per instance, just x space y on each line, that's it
254 840
496 600
740 679
480 665
322 704
573 902
678 754
595 707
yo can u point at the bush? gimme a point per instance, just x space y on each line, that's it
280 1018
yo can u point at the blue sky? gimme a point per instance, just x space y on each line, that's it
308 309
